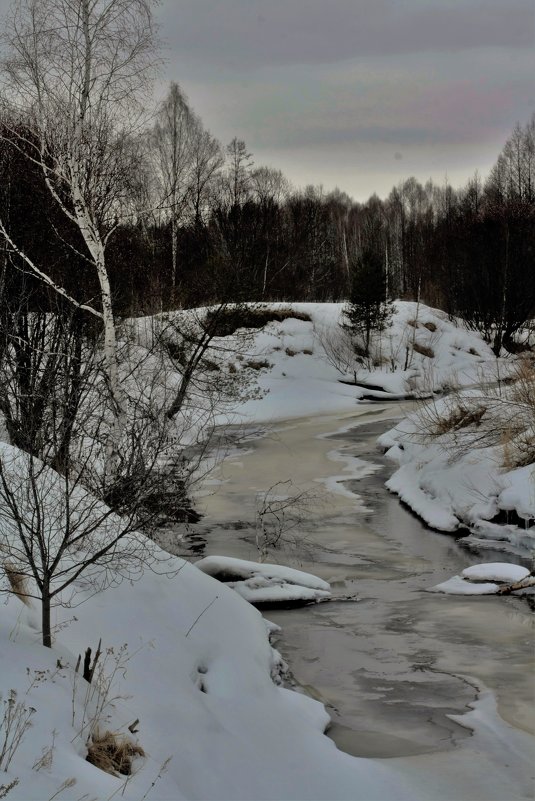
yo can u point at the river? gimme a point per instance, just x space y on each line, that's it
395 662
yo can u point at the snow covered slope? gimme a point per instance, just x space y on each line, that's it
187 665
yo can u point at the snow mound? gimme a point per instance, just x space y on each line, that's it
496 571
481 579
460 586
265 583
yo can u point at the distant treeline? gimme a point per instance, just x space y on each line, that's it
204 224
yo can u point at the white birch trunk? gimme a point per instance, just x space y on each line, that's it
95 245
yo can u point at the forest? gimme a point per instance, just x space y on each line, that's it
190 222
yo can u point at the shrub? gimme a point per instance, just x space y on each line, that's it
229 320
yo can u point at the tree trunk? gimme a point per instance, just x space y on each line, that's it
111 365
45 618
174 231
95 245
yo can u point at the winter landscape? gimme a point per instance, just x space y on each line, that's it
267 453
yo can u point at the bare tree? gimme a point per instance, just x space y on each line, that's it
238 178
55 533
75 71
173 139
207 160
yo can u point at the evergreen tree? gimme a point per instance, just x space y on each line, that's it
368 308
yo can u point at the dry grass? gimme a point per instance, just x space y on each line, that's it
113 753
230 320
459 417
423 350
17 582
290 352
412 323
259 364
502 417
5 788
430 326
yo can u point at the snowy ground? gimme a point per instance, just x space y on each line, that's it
190 660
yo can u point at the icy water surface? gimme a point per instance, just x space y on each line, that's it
394 663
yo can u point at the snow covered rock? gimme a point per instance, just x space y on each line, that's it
484 579
496 571
265 584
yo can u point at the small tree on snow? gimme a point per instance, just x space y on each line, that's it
368 308
58 542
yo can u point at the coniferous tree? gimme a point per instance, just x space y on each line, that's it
368 309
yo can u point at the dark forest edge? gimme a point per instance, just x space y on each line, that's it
200 225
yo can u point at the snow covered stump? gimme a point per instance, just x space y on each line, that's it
266 585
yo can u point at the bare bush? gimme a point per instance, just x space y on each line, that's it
339 348
15 722
55 530
280 511
236 316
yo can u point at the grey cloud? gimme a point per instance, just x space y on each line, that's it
398 136
237 34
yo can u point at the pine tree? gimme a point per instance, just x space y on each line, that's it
368 308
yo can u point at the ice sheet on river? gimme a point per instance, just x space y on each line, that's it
265 583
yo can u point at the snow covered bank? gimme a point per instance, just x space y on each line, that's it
420 353
306 364
456 467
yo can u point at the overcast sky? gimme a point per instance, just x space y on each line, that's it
356 93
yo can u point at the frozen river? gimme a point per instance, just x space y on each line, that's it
394 664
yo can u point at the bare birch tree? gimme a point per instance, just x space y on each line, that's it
75 70
173 140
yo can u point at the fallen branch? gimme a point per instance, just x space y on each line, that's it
507 589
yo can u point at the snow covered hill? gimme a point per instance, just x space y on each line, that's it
305 363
